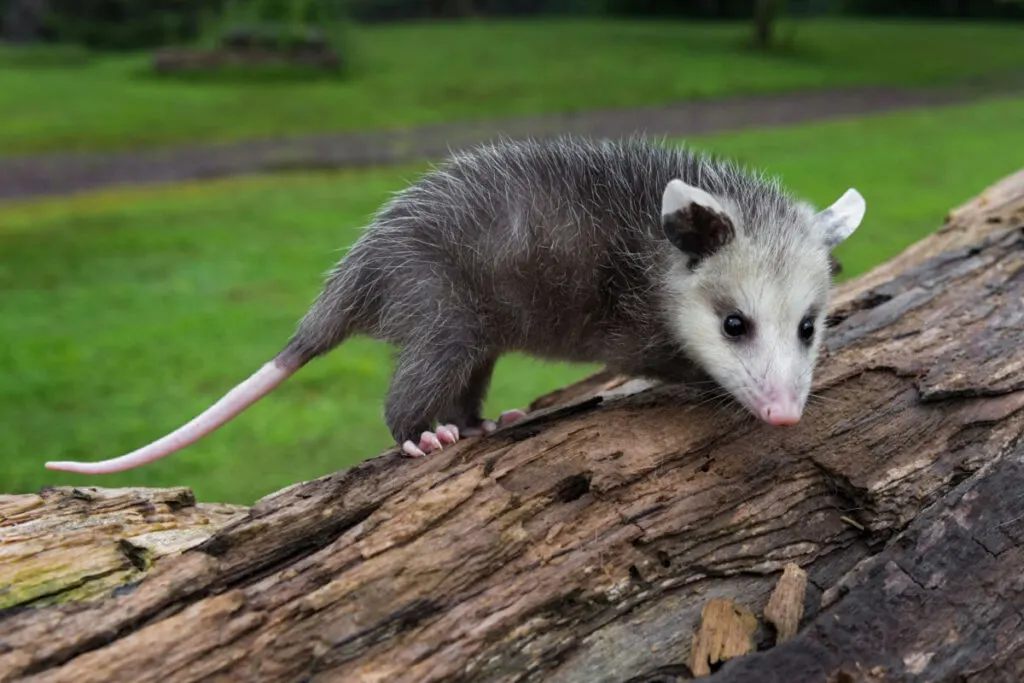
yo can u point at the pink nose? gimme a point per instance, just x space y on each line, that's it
780 411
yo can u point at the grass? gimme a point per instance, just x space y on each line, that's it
126 313
426 73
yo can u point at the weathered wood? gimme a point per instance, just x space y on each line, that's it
78 543
584 543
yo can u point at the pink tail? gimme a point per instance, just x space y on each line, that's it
261 383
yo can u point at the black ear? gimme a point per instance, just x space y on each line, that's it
834 266
698 231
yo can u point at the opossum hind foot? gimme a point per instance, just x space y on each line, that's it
446 435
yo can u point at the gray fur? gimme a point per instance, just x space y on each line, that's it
555 249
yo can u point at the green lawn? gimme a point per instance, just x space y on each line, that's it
126 313
425 73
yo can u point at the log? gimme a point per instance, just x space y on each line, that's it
586 542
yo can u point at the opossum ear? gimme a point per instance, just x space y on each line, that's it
694 221
838 221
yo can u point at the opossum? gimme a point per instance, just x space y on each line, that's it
658 262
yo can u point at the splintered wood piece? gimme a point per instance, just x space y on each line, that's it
726 631
786 605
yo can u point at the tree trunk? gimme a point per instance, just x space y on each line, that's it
21 21
611 536
441 9
765 13
710 9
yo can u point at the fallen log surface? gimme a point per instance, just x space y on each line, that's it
585 543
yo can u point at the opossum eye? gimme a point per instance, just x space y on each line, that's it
806 330
734 325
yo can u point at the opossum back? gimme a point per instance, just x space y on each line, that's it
527 232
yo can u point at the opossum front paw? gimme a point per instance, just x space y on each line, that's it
432 441
482 427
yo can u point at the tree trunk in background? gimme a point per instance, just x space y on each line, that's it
710 9
21 20
443 9
765 14
608 538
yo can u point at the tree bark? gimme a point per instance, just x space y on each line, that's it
585 543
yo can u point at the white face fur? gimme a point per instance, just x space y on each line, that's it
752 313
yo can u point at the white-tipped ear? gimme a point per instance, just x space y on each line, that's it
838 221
678 195
694 222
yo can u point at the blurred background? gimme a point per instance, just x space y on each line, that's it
176 177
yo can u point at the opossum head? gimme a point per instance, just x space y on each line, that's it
747 292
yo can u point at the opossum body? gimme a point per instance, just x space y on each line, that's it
656 262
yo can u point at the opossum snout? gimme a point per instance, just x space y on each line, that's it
779 408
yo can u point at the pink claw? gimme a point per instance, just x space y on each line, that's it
412 450
511 416
448 434
432 441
